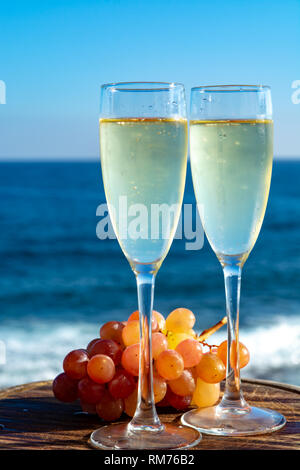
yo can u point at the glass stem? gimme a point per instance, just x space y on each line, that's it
145 417
233 398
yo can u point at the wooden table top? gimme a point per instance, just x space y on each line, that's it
32 418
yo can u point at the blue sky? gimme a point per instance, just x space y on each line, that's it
55 55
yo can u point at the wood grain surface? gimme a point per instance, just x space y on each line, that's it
31 418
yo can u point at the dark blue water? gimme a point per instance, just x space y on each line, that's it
59 282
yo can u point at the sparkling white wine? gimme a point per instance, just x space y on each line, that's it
144 166
231 167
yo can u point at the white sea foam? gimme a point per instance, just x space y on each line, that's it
36 351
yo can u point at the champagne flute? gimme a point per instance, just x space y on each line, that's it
231 146
143 145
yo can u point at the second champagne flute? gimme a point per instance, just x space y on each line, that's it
143 140
231 134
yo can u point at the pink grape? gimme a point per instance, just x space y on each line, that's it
191 352
159 344
130 359
169 364
101 368
184 385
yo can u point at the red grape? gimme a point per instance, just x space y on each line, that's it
64 388
122 384
88 408
164 402
178 402
112 330
109 347
75 364
90 345
110 408
90 391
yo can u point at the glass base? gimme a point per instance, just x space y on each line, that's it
222 422
117 437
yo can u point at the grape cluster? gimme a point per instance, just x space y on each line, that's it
186 371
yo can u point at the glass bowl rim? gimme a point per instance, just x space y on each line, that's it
141 86
230 88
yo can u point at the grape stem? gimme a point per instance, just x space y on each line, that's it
207 333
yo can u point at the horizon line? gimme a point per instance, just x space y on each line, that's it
83 159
